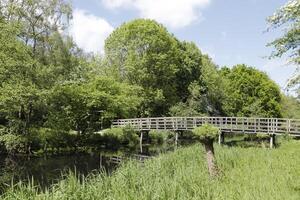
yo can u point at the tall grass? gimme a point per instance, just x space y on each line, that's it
247 173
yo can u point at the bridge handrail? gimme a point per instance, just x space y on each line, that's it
230 124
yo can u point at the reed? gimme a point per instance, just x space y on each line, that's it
246 173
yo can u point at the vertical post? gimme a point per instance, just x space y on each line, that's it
176 138
100 160
221 138
141 142
149 123
272 141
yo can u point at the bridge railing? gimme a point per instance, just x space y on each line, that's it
226 124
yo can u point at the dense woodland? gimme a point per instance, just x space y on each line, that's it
53 94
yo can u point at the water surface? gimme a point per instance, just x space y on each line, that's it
44 171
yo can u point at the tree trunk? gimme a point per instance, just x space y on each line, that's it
210 156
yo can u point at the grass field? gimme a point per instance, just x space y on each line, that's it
246 173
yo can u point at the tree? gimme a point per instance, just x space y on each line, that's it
190 69
26 78
206 135
289 17
84 107
290 107
62 63
38 19
250 93
20 97
142 52
201 85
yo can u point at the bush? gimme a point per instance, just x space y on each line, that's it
159 136
257 137
206 131
14 143
113 136
51 138
118 136
130 136
186 134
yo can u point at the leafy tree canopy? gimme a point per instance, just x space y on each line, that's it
250 92
142 52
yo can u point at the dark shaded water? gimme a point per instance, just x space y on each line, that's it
46 170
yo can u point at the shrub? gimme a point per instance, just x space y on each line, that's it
14 143
118 136
159 136
257 137
130 136
205 132
113 136
51 138
187 134
206 135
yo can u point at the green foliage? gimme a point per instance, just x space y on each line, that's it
118 136
257 137
290 107
86 107
130 136
183 109
20 97
159 136
117 100
113 134
14 143
288 17
206 132
250 93
247 173
142 52
56 96
202 91
190 69
38 20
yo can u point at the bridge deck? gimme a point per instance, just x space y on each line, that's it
276 126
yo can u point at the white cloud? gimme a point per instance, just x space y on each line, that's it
89 31
117 3
173 13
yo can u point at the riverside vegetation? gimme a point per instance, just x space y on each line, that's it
246 173
54 97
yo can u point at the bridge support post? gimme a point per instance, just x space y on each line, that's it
272 141
141 141
176 138
221 138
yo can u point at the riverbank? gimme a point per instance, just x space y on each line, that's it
44 170
247 173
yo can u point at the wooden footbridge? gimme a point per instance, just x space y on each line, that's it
270 126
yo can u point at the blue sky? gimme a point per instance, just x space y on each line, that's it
230 31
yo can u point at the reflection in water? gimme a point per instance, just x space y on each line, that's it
48 170
44 171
